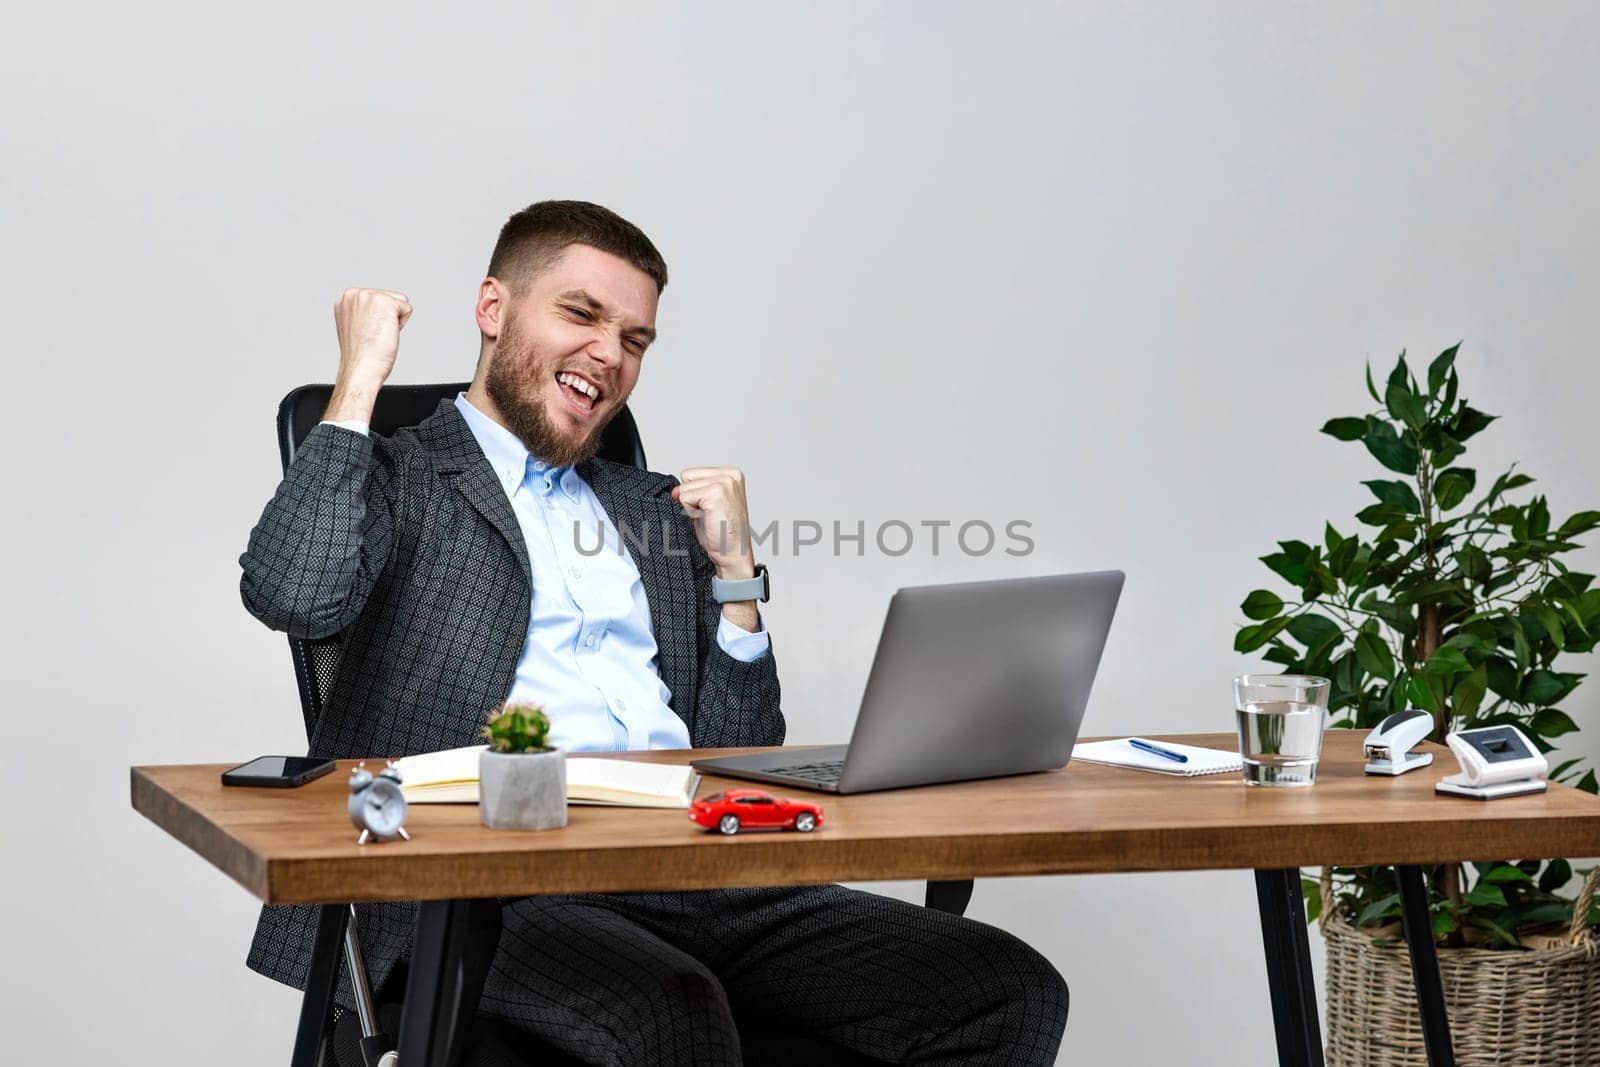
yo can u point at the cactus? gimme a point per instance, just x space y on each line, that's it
518 728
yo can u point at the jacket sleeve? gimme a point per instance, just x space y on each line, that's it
324 537
738 703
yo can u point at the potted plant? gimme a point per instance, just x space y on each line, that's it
522 781
1460 607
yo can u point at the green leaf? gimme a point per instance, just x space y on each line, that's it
1550 911
1503 678
1474 563
1538 518
1448 660
1439 369
1469 421
1396 494
1400 377
1381 514
1372 652
1551 622
1444 922
1487 895
1582 522
1293 564
1250 638
1552 722
1506 873
1543 687
1588 783
1426 692
1501 934
1468 694
1372 389
1311 889
1405 405
1452 486
1375 911
1507 482
1261 604
1555 876
1350 429
1383 441
1310 628
1563 767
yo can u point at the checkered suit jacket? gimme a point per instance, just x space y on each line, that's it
408 546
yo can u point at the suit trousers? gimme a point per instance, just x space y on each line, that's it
656 978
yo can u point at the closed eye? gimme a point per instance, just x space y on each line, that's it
579 312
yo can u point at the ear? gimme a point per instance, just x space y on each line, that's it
494 303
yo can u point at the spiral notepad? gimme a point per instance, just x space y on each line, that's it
1119 753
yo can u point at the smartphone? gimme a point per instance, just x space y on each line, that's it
280 772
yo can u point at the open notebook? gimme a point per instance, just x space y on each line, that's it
451 777
1119 753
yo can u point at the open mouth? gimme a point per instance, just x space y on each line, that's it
581 395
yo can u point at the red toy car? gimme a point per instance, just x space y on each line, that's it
737 808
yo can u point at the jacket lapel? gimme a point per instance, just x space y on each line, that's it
458 456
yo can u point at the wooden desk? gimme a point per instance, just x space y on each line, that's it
298 847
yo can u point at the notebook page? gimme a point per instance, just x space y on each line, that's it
1118 753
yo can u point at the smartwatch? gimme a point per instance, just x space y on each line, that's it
731 592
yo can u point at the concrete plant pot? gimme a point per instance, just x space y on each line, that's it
522 790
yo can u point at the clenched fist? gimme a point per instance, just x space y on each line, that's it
714 498
369 323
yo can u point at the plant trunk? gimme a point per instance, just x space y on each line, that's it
1430 635
1450 888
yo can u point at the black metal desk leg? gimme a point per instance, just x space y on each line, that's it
450 955
1425 967
1294 992
316 1008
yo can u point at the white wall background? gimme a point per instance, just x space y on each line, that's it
1103 269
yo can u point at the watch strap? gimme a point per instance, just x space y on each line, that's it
725 591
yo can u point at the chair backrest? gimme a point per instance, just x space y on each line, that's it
398 406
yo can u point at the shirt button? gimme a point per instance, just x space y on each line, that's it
575 572
589 641
538 464
622 705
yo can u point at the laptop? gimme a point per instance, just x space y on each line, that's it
972 680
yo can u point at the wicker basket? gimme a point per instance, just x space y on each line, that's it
1533 1008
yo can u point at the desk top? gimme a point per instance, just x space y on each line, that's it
297 846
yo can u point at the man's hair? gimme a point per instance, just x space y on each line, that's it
534 238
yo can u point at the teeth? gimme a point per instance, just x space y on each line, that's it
579 384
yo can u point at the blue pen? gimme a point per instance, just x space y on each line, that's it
1165 753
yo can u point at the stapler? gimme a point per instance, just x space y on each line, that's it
1496 761
1388 748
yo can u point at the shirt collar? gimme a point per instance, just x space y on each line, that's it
509 456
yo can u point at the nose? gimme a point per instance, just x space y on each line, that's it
606 351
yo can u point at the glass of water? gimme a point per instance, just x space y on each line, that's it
1281 719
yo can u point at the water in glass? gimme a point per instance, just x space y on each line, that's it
1280 741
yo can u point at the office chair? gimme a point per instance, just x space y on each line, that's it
315 663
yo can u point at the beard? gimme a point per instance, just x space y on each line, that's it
517 370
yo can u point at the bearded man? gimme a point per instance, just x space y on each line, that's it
447 558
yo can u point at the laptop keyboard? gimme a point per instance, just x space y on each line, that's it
827 771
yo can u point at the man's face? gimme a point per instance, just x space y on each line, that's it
567 355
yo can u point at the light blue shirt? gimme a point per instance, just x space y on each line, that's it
589 656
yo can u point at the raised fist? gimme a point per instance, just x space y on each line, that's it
369 322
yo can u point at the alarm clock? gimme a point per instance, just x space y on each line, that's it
1496 761
377 806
